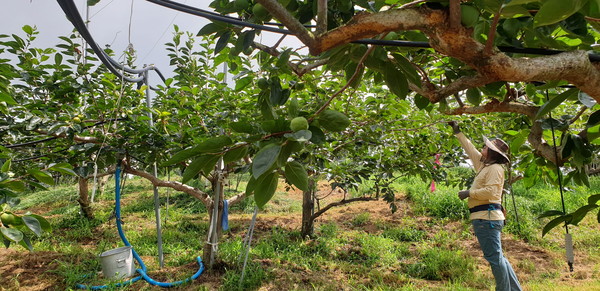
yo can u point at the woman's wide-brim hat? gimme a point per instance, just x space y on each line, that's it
498 146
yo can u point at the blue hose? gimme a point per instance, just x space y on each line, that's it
141 271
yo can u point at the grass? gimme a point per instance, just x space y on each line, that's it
426 249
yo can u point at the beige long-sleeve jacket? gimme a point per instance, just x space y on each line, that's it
488 184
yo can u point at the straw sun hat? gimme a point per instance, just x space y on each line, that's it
498 146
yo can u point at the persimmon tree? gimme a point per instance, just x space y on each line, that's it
520 61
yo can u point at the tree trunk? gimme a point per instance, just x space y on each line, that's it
84 199
308 208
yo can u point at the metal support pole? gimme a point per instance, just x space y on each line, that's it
155 173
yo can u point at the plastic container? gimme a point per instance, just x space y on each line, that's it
117 263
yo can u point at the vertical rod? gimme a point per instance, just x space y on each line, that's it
568 239
218 193
155 173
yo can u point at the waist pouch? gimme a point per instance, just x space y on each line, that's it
491 206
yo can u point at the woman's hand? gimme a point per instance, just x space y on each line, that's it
454 126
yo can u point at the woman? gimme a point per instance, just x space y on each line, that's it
485 204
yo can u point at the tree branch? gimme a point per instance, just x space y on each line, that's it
339 203
454 8
321 17
287 19
169 184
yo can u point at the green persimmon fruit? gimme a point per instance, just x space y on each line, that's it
8 218
261 12
263 83
299 123
469 15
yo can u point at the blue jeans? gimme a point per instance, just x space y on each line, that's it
488 233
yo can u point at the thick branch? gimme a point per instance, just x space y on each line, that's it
454 8
496 106
365 25
341 202
321 16
435 95
169 184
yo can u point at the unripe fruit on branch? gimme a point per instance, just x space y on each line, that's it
8 218
299 123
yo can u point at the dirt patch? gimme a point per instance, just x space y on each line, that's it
22 270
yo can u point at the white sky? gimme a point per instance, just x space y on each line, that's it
151 25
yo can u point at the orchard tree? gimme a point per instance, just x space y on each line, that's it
529 63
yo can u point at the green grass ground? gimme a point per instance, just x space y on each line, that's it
426 245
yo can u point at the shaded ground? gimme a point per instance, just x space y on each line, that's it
22 270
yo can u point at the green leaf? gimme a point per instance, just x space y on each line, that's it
318 137
333 120
284 58
264 159
551 213
235 154
396 81
6 166
28 29
250 186
92 2
296 174
212 28
243 83
276 92
33 224
211 145
567 149
594 119
349 71
242 127
554 223
265 189
580 213
300 135
26 243
421 102
15 185
553 11
12 234
409 70
44 224
41 176
593 199
554 102
474 96
586 99
222 42
248 37
8 99
58 59
204 163
64 168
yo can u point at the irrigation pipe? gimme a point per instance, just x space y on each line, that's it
142 271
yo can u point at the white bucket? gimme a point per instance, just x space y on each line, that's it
117 263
